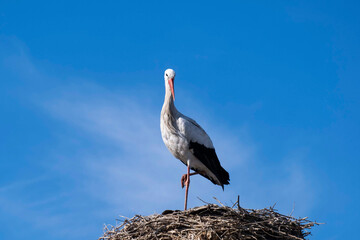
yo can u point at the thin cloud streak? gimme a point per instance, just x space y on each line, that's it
139 172
144 164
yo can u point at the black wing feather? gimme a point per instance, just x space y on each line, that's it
209 158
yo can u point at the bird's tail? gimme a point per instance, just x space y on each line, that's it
223 177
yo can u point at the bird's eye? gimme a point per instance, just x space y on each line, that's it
166 74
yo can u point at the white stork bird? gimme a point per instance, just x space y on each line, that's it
188 142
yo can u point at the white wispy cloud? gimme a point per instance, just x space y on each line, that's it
142 167
145 172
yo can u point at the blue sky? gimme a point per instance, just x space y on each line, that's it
275 84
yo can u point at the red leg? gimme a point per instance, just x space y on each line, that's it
187 185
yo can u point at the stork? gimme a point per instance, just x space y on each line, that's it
188 142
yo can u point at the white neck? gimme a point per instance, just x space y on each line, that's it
169 105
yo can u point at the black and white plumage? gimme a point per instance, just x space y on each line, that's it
187 141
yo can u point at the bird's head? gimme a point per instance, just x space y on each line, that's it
169 77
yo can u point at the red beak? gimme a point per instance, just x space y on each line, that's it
171 83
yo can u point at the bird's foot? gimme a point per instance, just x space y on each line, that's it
184 180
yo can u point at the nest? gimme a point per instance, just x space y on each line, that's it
211 222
